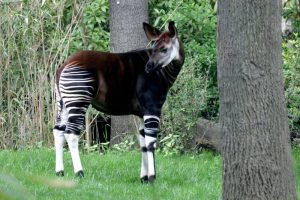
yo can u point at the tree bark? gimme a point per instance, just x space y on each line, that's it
256 150
126 33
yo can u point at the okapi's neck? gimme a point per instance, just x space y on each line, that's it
137 57
171 71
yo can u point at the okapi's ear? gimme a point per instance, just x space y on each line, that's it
172 29
151 32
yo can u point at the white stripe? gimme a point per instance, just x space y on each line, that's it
71 80
151 131
150 116
67 99
75 86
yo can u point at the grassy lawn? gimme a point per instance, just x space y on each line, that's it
114 175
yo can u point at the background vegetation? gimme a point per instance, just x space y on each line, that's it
291 67
36 36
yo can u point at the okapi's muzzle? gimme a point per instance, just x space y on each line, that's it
151 66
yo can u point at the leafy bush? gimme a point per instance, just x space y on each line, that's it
291 67
290 13
291 60
93 31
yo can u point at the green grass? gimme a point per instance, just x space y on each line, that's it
114 175
296 162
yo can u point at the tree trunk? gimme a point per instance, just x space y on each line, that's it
256 150
126 30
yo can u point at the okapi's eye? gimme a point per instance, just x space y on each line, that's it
163 50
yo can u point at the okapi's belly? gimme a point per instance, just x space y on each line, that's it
116 95
117 102
118 107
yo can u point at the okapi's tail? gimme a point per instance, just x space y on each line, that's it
59 105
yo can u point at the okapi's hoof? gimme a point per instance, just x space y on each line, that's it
79 174
144 180
60 173
151 179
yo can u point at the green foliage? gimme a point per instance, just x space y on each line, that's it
291 68
290 12
93 31
291 60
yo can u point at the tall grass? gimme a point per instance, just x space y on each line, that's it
34 40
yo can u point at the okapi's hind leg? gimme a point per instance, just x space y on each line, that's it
58 133
77 87
76 118
69 130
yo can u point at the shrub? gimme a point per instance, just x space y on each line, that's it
291 69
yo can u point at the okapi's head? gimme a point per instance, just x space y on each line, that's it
166 46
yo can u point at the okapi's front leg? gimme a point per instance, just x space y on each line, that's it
151 130
144 162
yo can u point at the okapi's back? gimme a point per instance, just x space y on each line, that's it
107 62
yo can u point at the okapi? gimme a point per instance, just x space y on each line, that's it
135 82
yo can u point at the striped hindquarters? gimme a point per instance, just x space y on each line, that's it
77 89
